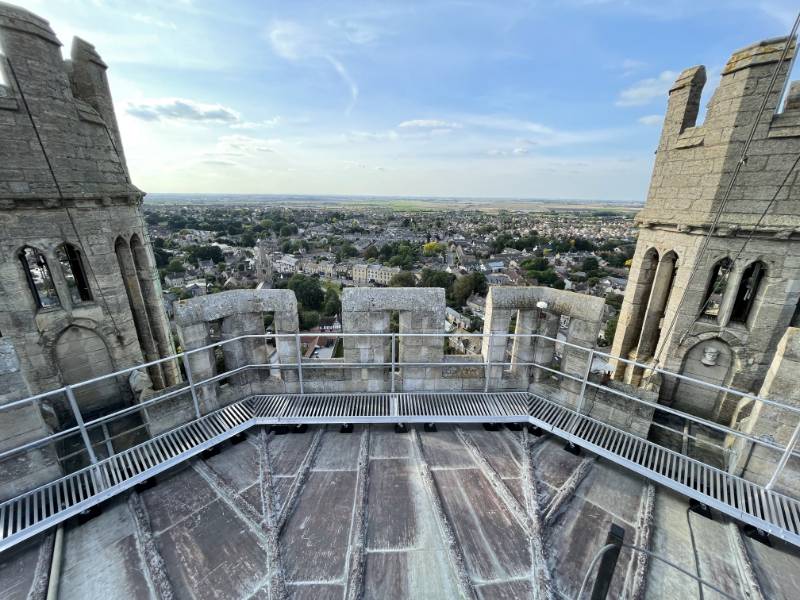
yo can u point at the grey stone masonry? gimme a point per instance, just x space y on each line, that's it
771 423
236 313
19 426
713 286
87 299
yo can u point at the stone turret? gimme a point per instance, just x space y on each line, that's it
80 292
715 309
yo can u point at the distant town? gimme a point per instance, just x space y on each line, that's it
203 248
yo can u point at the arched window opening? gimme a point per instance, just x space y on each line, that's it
40 282
748 290
712 299
72 267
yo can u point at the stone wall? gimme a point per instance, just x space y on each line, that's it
771 423
671 272
19 426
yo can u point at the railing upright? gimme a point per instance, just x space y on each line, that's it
784 457
582 397
299 361
487 364
73 404
391 373
190 379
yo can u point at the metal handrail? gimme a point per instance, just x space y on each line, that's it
300 364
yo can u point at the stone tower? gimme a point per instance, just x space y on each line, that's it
714 307
80 293
264 263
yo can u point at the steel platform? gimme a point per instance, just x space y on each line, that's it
38 510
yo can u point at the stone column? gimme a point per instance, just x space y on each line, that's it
421 349
244 352
367 349
496 327
154 306
545 350
137 305
202 363
522 350
729 295
287 322
574 361
655 309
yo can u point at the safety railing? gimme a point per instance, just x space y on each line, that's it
102 433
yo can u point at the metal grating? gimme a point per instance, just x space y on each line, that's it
26 515
743 500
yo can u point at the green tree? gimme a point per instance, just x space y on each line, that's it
309 319
175 266
610 330
308 291
433 278
332 305
403 279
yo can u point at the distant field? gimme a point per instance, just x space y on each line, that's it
396 203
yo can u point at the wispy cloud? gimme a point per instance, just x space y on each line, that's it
645 91
154 21
293 42
429 124
180 109
651 119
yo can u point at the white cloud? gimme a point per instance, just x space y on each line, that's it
244 145
265 124
646 90
429 124
180 109
651 119
293 42
155 22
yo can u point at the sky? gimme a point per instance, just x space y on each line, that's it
558 99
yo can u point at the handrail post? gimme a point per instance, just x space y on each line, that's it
299 361
487 365
81 425
191 385
393 362
579 407
784 457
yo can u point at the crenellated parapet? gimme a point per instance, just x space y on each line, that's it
695 162
59 139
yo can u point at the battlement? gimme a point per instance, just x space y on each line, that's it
59 138
694 161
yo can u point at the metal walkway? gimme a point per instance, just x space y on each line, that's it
38 510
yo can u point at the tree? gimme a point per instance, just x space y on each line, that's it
309 319
433 248
307 290
213 253
433 278
288 229
590 264
403 279
614 300
175 266
610 330
332 305
371 252
465 286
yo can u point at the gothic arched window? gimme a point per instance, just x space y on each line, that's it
72 267
40 282
712 299
748 289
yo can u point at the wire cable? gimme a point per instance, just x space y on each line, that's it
675 566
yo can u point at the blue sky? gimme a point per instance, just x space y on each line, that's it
553 99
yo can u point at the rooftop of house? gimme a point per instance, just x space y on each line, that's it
379 514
